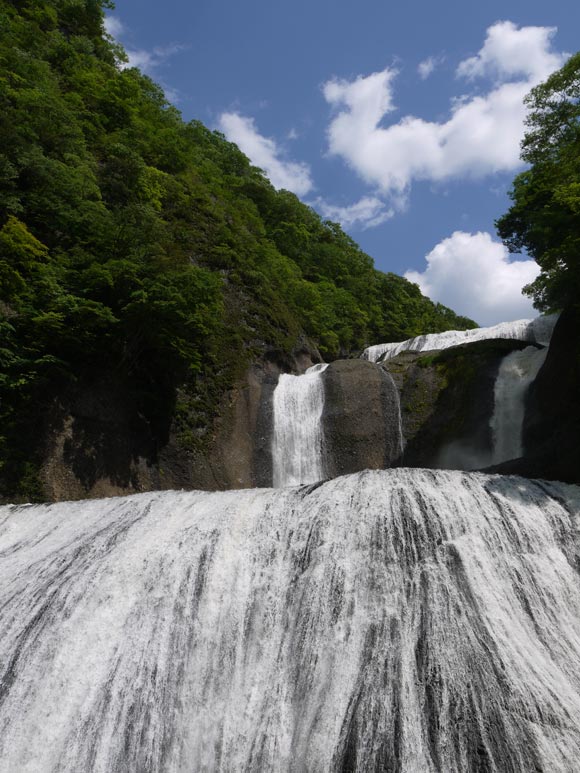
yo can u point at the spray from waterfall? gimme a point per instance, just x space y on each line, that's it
516 372
297 443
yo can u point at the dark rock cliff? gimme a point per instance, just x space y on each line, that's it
360 419
95 443
551 434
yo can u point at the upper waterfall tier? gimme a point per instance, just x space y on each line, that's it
516 372
537 330
297 442
402 620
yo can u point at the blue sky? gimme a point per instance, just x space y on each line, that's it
402 121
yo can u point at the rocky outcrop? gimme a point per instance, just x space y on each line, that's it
447 401
360 421
551 434
95 444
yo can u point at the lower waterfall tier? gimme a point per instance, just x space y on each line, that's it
404 620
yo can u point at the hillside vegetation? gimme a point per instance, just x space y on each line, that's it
136 244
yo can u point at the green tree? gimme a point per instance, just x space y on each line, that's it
545 216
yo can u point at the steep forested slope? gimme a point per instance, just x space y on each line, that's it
148 251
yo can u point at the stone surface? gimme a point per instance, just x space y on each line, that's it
360 419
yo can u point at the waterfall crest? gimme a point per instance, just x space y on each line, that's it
537 331
403 620
516 372
297 441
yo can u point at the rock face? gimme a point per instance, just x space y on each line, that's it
96 445
552 423
551 434
360 421
447 400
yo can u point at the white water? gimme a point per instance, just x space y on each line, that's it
516 373
297 439
537 330
405 620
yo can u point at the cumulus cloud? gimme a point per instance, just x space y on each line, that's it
266 154
481 136
475 276
510 52
368 212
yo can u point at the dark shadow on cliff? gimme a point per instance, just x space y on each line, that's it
109 427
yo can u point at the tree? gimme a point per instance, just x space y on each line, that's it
545 216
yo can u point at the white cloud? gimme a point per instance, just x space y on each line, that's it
475 276
426 67
266 154
114 26
481 136
143 60
509 52
148 62
368 212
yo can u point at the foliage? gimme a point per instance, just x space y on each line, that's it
136 244
545 216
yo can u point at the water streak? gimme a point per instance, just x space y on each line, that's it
401 620
297 441
516 372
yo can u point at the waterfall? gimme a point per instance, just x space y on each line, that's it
516 373
297 442
401 620
537 331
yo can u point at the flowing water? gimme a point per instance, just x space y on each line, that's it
297 438
537 331
517 371
409 621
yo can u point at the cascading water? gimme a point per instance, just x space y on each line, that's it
537 331
297 442
413 621
516 372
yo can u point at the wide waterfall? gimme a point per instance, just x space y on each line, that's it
297 442
517 371
537 331
404 620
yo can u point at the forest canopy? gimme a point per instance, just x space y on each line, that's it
137 244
